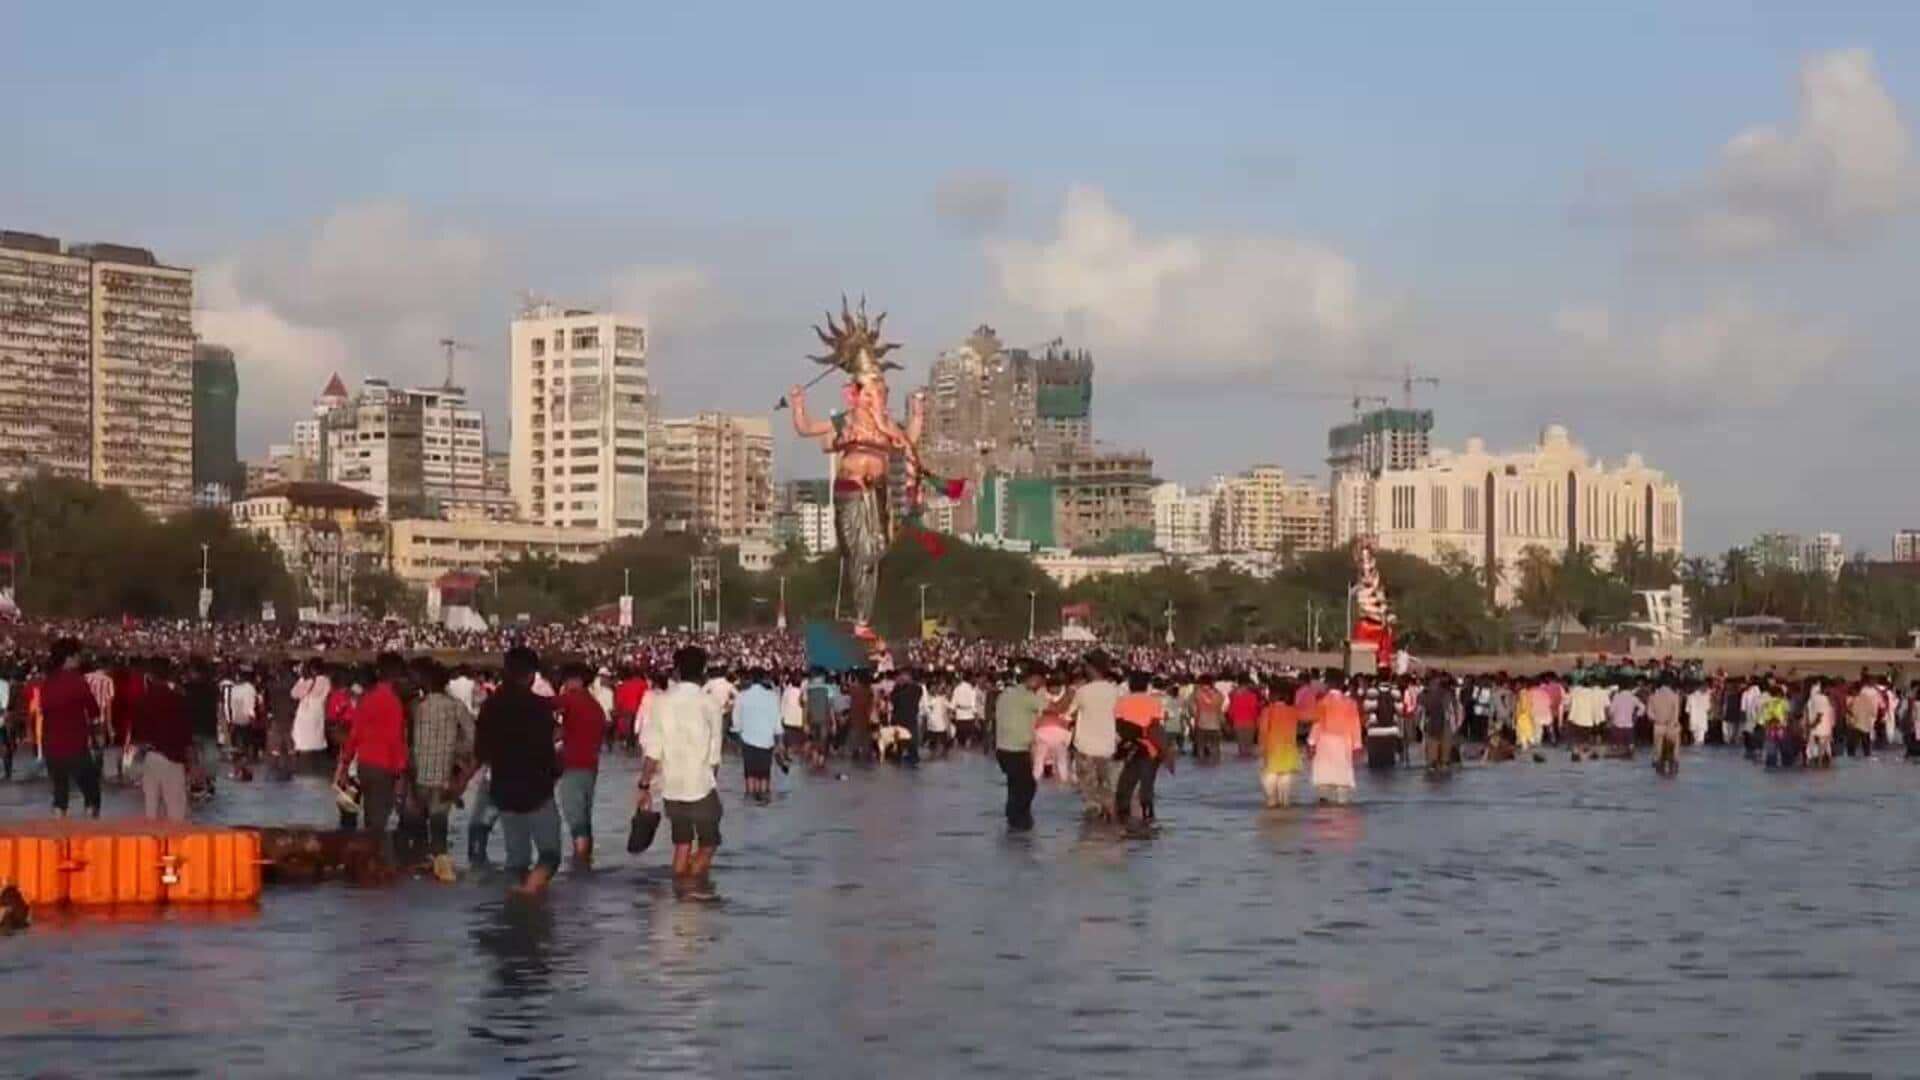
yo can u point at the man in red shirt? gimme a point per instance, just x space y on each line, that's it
628 697
68 713
1243 710
377 740
583 725
161 725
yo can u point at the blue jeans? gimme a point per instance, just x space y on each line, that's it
525 832
576 801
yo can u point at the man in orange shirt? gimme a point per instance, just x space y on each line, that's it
1139 721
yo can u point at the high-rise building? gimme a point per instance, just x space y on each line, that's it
580 413
1359 451
453 444
1183 520
375 444
1104 500
217 474
994 409
1906 546
804 514
96 367
712 474
1778 551
1825 553
1491 508
1262 510
46 360
1063 403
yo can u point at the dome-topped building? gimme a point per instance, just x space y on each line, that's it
1492 507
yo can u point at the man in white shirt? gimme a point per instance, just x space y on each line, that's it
310 716
242 706
1095 737
1820 717
936 714
1751 700
682 746
966 712
1699 711
461 688
722 692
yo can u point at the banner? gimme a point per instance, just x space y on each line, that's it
626 613
266 611
206 603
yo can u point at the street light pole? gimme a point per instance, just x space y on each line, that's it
1033 601
206 606
923 607
1169 624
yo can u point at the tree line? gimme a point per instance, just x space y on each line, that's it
86 552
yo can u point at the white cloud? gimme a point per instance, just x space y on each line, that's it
280 362
1728 352
1587 325
672 299
1185 304
368 290
1845 165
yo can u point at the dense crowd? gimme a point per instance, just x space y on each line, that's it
409 736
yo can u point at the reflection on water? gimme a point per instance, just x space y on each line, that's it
1519 919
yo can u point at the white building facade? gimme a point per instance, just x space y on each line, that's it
1182 520
1490 508
580 407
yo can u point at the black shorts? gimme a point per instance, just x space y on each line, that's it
757 762
695 821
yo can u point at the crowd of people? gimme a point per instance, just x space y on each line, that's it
409 737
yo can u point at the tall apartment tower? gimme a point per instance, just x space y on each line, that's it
217 475
96 367
712 474
453 443
580 408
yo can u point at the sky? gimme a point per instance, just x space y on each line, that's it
1684 230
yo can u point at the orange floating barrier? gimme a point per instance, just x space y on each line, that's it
130 861
212 867
36 865
109 869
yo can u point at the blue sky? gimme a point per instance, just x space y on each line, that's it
1233 204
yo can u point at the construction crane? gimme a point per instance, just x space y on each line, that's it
1356 398
1407 380
452 346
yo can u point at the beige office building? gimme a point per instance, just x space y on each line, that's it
421 550
580 406
712 474
1104 498
1490 508
1262 510
96 368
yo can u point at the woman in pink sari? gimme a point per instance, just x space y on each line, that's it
1334 739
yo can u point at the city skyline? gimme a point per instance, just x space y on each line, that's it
1694 255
